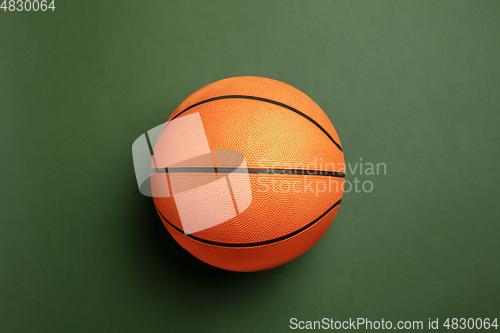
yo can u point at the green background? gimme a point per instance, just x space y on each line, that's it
413 84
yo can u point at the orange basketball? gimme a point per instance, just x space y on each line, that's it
252 173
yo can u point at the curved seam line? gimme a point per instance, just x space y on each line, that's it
262 100
271 241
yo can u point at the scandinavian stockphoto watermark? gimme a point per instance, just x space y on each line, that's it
210 186
382 324
319 177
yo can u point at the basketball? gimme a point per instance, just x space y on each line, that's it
248 173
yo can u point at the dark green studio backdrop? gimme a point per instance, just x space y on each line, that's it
414 85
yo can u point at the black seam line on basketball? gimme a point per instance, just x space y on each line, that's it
263 171
271 241
291 108
149 143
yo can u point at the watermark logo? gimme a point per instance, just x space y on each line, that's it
319 177
208 187
363 173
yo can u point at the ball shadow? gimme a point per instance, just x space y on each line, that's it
166 263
